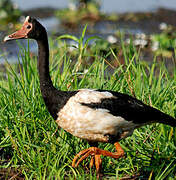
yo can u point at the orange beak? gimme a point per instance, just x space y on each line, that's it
22 33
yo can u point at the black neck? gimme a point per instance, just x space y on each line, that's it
43 65
53 98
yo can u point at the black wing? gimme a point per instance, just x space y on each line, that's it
132 109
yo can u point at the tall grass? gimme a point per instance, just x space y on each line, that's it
33 145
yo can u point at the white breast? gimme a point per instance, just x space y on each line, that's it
88 123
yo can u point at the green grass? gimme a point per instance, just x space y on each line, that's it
35 148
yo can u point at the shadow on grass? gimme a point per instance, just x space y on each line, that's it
11 173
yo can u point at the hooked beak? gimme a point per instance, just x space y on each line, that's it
16 35
20 34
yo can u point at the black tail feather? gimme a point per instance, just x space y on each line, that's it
166 119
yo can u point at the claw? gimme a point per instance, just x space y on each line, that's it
98 163
92 161
96 153
74 164
84 153
83 157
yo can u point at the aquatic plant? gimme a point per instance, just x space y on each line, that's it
9 12
164 42
80 11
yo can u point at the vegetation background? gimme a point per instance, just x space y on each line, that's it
33 147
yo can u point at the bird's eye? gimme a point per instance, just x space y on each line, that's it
29 27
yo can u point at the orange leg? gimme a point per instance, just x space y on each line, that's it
96 153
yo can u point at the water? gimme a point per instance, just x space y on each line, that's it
136 5
107 5
11 49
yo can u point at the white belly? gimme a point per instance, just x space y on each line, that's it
92 124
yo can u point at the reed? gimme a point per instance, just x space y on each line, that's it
32 144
